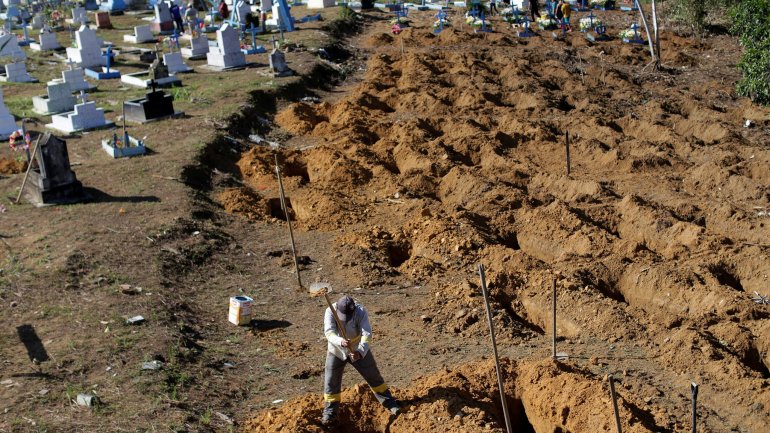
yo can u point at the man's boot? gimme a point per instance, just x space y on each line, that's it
329 415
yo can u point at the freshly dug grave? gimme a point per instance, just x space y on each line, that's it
453 154
542 397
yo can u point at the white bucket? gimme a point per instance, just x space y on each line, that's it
240 310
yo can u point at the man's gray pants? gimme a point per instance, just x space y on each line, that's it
365 366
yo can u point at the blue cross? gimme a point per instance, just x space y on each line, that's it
253 30
108 55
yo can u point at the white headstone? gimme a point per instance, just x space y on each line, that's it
59 99
37 22
228 53
199 47
241 10
320 4
7 121
141 35
76 79
162 12
17 73
9 46
79 16
48 42
85 116
89 51
174 63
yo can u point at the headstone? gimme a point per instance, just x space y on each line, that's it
37 22
157 75
199 47
86 116
156 104
228 53
17 73
48 41
142 34
52 181
241 9
321 4
89 51
75 77
58 100
114 7
278 65
163 22
79 16
7 121
90 5
103 20
9 47
174 63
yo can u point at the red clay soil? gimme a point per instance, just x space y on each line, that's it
453 154
543 396
12 166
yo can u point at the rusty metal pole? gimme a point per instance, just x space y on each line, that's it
615 403
494 350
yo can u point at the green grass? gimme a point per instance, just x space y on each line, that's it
21 106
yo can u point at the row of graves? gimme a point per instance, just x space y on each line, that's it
518 16
49 178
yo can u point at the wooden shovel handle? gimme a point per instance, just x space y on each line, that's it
29 168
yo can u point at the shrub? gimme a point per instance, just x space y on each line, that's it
751 23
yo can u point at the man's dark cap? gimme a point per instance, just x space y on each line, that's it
345 308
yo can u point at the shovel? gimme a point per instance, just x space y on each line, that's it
325 288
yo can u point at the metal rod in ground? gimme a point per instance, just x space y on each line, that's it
288 220
553 314
566 144
494 350
29 168
614 403
694 390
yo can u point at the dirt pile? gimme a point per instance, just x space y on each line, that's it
444 157
12 166
541 397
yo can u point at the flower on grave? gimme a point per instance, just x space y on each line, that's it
628 34
586 24
396 29
438 23
547 23
13 141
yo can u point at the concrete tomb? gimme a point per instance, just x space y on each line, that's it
58 100
85 116
89 51
142 34
7 121
228 53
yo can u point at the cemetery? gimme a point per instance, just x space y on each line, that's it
548 234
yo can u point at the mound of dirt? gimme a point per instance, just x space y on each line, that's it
245 202
12 166
541 397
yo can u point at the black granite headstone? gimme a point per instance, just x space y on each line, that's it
52 181
155 105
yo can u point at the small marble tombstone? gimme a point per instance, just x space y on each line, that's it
278 65
7 121
228 53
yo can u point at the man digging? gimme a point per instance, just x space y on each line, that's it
352 347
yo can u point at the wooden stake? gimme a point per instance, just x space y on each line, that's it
402 46
29 168
694 391
615 403
494 350
566 145
288 220
655 29
553 314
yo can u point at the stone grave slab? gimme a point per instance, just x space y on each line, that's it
142 34
58 100
7 121
51 179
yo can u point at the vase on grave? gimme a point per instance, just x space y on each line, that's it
51 179
58 100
